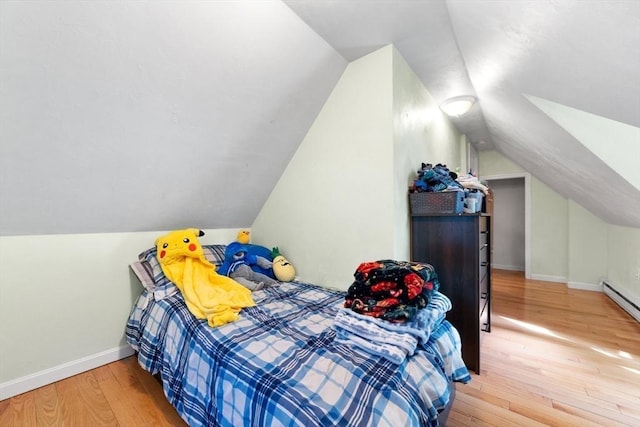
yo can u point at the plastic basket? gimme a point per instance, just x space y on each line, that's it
437 202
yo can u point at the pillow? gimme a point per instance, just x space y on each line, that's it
149 257
213 253
143 272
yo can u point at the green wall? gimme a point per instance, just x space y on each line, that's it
570 244
65 300
342 199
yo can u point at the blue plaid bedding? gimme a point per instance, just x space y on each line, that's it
280 365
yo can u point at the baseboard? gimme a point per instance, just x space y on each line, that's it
546 278
585 286
38 379
507 267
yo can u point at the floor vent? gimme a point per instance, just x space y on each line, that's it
624 302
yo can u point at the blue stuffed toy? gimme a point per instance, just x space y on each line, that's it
248 264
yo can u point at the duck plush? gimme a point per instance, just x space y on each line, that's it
243 237
208 295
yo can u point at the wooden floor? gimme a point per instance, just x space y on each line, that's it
555 356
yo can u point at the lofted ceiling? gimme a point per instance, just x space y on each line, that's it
133 116
530 64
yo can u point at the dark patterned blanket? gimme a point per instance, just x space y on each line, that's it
391 290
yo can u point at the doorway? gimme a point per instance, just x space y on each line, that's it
511 221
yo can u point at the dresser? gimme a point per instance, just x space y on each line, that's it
459 247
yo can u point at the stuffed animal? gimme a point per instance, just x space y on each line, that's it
282 268
243 236
250 265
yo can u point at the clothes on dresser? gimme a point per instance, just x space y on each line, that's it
391 290
471 182
436 178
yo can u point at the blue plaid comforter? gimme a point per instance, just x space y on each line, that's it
280 365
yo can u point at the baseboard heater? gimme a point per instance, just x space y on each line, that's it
624 302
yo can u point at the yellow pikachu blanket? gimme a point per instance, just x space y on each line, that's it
208 294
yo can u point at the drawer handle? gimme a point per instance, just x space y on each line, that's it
484 263
484 295
484 246
485 327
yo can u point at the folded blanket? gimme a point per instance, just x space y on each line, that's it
390 352
391 290
349 324
207 294
427 319
393 341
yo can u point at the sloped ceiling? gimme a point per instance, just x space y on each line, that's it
132 116
584 55
142 116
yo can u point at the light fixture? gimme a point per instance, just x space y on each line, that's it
458 105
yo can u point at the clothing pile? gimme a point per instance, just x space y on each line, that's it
436 178
391 290
471 182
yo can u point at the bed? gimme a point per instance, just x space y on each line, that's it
280 363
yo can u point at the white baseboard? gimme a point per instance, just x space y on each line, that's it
546 278
507 267
585 286
38 379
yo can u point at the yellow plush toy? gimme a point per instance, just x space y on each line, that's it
282 268
243 236
208 295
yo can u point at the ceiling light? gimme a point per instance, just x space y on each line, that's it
458 105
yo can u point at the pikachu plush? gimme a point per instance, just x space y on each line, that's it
208 295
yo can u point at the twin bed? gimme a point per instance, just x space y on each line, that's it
280 363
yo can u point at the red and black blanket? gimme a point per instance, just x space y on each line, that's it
391 290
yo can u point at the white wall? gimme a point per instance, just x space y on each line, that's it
64 302
343 199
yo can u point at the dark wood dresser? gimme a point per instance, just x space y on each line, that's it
459 247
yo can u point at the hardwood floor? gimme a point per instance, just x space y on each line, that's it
117 394
555 356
